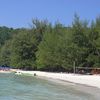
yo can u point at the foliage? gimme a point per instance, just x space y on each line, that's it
51 47
5 53
23 50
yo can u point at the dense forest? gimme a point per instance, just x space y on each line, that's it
51 47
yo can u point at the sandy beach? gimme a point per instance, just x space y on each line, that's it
9 71
5 71
89 80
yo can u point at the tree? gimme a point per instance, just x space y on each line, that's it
5 34
80 42
5 53
53 51
39 27
94 40
23 50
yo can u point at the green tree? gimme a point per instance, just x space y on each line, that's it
53 50
39 27
80 42
5 53
94 40
23 50
5 34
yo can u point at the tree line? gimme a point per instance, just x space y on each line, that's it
51 47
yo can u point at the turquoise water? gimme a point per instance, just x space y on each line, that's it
17 87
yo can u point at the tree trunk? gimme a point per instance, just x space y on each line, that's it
74 67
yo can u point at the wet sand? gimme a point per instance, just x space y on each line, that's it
89 80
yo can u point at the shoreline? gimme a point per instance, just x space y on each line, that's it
5 71
61 79
87 80
9 71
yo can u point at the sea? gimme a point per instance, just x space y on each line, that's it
25 87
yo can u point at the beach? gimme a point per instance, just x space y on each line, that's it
1 71
29 87
88 80
81 86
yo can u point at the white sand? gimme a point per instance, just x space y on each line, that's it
9 71
89 80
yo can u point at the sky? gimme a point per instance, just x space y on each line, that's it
19 13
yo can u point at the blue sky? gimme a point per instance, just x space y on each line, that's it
19 13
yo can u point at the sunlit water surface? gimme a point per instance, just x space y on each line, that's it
20 87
